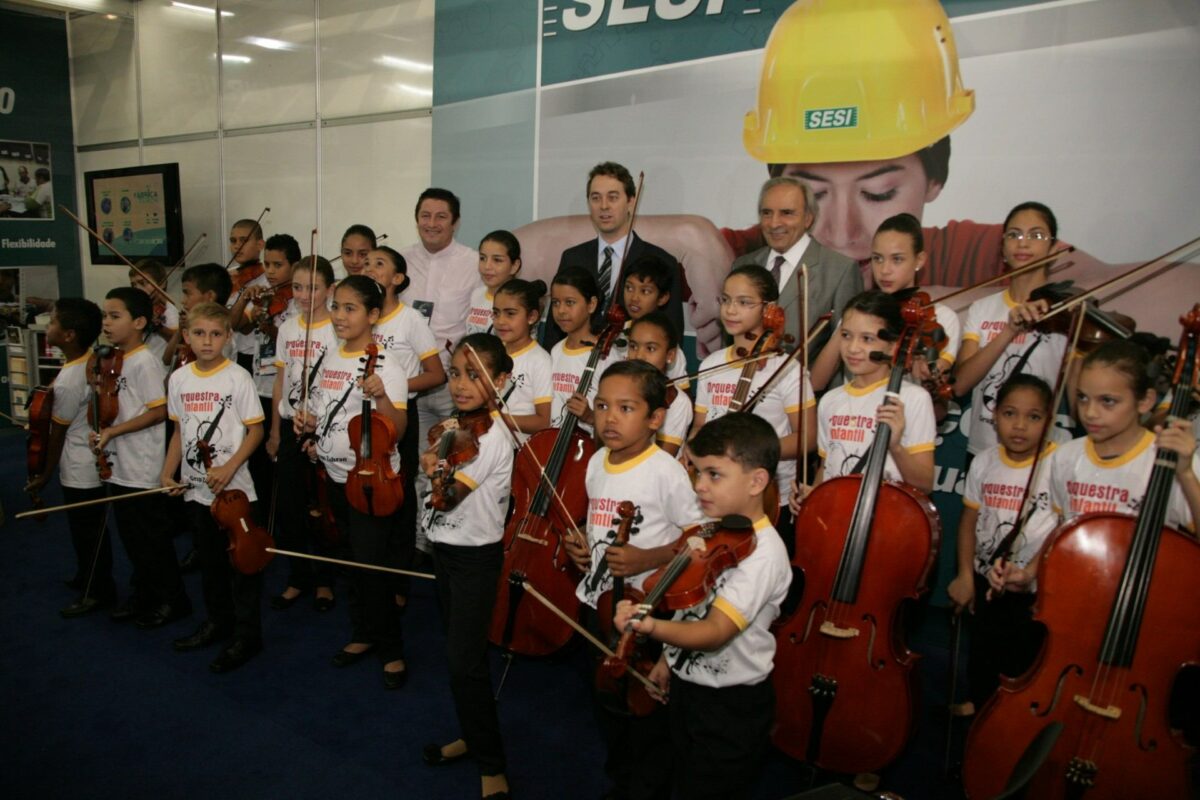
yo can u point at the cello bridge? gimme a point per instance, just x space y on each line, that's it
1108 712
533 539
835 631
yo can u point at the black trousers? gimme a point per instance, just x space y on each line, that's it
638 749
294 529
374 616
262 468
405 520
720 737
466 587
1004 639
91 542
233 601
145 528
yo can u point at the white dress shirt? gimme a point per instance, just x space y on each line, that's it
791 260
618 250
440 288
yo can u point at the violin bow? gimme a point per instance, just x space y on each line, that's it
37 512
356 564
150 281
503 407
1004 276
737 362
802 445
184 259
380 238
257 224
823 322
312 284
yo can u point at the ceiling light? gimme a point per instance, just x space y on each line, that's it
200 9
236 58
269 44
404 63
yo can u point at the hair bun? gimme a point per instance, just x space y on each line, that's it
539 287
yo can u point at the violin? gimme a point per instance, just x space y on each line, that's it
244 274
373 486
248 541
939 384
843 675
1099 326
1104 680
457 443
774 321
39 410
271 303
104 373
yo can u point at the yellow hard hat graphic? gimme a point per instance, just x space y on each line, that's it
856 80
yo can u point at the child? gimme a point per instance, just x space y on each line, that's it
203 283
467 557
653 339
1108 469
245 248
135 445
897 258
717 656
1004 638
630 407
747 290
573 298
282 444
166 315
517 309
648 289
74 326
374 615
213 403
999 339
357 242
499 260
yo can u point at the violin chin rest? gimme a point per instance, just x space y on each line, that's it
736 522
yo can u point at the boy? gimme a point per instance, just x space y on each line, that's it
630 408
648 290
166 315
74 326
214 405
203 283
653 339
717 656
245 248
135 444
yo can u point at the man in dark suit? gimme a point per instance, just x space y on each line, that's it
610 195
786 212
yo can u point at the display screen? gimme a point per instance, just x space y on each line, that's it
136 210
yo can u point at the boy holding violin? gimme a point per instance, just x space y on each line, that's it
202 283
74 327
218 424
718 655
630 406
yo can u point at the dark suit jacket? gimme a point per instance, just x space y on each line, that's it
832 280
587 255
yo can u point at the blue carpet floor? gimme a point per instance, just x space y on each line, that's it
93 709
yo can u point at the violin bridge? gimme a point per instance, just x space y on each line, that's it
837 632
1108 712
245 528
533 539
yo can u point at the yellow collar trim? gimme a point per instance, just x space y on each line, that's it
1010 462
532 344
854 391
615 469
399 307
315 325
204 373
575 351
137 349
762 522
1121 460
83 358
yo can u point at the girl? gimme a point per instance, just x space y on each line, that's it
573 300
653 339
374 615
745 293
1004 638
499 260
357 242
897 258
282 444
516 310
1107 470
999 339
467 556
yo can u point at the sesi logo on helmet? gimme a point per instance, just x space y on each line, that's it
824 118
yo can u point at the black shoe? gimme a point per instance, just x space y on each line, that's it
281 603
190 562
345 658
156 618
432 753
324 604
85 605
498 796
206 634
395 680
239 652
125 611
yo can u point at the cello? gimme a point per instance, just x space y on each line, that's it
1105 680
843 674
373 486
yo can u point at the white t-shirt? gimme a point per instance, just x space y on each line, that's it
264 348
289 356
339 399
952 327
529 383
246 343
715 391
77 465
479 316
675 427
846 426
196 399
675 370
654 482
137 458
407 334
1081 482
566 368
995 488
479 518
749 595
986 319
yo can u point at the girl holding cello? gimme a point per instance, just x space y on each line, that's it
349 377
465 523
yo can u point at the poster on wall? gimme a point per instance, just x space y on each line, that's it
26 186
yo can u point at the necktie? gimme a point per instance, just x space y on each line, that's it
777 270
605 272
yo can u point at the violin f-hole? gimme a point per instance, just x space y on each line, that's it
1036 708
579 450
873 662
1143 703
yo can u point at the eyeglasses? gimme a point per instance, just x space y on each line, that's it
1036 236
741 302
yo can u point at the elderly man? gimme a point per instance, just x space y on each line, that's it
786 212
